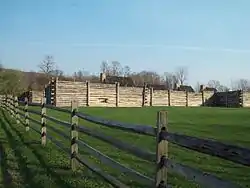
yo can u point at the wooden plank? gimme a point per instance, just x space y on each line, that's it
161 151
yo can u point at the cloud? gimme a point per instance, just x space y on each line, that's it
177 47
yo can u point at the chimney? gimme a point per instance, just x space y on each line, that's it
201 88
102 77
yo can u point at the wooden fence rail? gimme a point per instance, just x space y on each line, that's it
159 158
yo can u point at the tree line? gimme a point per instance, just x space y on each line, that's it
14 81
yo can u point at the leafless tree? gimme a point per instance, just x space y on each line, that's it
217 85
116 68
104 68
214 84
126 71
242 84
170 80
47 66
181 74
57 73
197 87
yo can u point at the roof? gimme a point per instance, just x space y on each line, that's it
209 89
185 88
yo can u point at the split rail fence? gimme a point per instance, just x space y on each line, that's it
159 158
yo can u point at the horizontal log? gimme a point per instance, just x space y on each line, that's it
141 129
232 153
114 164
115 142
146 155
34 112
202 178
57 108
104 158
110 179
63 123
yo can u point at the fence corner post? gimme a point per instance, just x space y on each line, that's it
16 110
74 135
161 150
43 122
26 114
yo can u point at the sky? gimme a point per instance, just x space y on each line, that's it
210 38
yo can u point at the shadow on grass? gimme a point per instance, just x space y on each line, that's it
6 176
56 172
25 171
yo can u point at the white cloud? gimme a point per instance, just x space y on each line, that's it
178 47
166 46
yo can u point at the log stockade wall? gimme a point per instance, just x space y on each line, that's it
111 95
20 112
60 93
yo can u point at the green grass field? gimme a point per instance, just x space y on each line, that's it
24 163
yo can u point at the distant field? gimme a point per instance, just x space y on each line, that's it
228 125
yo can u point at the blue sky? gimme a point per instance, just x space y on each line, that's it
211 38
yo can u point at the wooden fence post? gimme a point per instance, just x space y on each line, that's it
12 104
151 96
74 135
43 122
117 93
55 91
17 110
7 103
26 115
202 95
88 93
161 151
169 97
186 98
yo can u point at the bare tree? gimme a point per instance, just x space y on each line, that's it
197 87
217 85
126 71
170 80
104 68
116 69
242 84
182 74
214 84
57 73
47 66
148 77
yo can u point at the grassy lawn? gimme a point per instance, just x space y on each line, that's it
23 157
